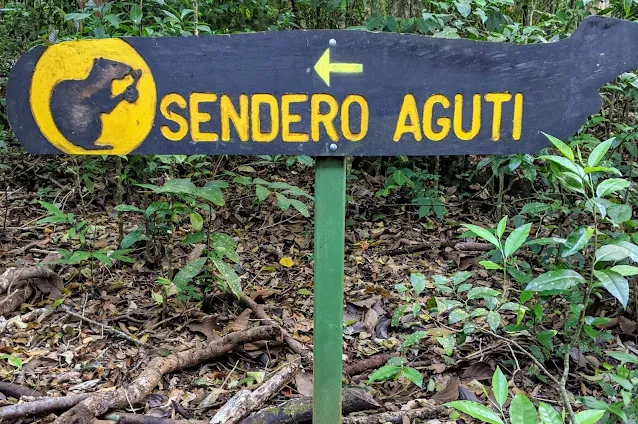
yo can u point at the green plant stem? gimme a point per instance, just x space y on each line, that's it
119 194
590 286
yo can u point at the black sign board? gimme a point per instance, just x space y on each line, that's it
318 93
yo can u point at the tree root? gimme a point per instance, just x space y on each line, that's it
122 418
397 417
246 401
99 403
294 345
14 285
17 391
374 361
299 411
41 406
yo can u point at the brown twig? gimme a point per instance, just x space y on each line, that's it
99 403
122 418
105 327
17 391
41 406
396 417
294 345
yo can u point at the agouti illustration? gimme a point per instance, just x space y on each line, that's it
77 105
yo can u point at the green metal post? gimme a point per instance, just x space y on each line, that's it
330 215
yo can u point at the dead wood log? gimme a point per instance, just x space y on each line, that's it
436 245
100 403
14 283
374 361
294 345
41 406
396 417
29 316
246 401
14 299
122 418
17 391
299 411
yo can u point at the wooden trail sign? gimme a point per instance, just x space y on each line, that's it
318 93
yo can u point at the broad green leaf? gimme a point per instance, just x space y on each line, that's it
136 14
51 208
619 213
300 207
490 265
177 186
615 284
384 373
577 240
571 181
561 146
622 356
493 320
197 222
617 252
413 375
457 315
482 293
565 163
261 192
611 185
516 239
561 279
448 342
590 170
483 233
229 275
535 207
133 237
418 282
548 414
224 245
500 228
545 338
522 410
590 416
499 387
282 201
211 194
476 410
399 177
625 270
414 338
186 274
599 153
397 315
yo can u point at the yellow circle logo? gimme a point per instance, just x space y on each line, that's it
93 97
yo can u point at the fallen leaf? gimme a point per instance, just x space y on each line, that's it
207 326
242 322
478 371
286 261
450 393
303 380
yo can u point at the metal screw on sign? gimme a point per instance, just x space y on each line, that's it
333 147
332 42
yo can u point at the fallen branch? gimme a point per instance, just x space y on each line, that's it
435 245
28 317
99 403
294 345
14 283
41 406
17 391
105 327
299 411
246 401
122 418
13 300
374 361
395 417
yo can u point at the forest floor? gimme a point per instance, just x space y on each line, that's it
58 353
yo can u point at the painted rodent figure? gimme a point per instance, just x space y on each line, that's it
77 105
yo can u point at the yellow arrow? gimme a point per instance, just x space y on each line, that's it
323 67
